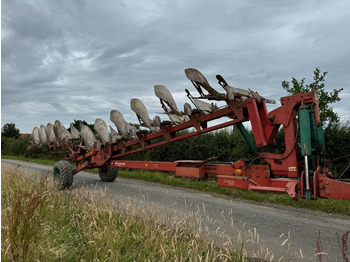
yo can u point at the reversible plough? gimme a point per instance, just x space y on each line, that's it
301 171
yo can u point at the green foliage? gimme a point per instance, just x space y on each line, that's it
337 140
327 114
18 147
9 130
14 147
48 162
336 206
226 145
76 124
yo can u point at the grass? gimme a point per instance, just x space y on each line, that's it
48 162
41 224
334 206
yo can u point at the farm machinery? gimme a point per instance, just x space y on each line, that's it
300 171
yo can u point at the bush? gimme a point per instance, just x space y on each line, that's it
14 147
18 147
226 145
337 140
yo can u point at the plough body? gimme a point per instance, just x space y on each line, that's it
300 171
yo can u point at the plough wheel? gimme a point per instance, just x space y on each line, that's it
108 173
63 175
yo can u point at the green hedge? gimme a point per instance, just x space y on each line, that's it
14 147
226 145
18 147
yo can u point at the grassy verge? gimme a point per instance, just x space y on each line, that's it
49 162
41 224
335 206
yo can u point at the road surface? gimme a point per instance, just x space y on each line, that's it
274 223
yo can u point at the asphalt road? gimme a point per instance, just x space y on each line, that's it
273 223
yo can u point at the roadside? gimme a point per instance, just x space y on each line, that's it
39 223
333 206
284 230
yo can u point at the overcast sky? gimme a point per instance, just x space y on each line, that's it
71 60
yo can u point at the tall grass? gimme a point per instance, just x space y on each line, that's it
39 223
42 224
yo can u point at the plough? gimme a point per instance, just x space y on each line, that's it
301 171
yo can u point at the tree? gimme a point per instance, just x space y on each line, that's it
10 130
327 114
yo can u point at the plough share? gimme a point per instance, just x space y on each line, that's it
301 171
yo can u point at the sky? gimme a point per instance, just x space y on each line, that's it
79 59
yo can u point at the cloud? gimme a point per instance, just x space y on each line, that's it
71 60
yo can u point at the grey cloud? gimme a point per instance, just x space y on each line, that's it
29 21
80 59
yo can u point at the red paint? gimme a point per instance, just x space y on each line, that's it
281 173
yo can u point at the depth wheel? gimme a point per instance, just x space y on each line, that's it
63 175
108 173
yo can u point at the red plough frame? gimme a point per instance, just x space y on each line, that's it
283 173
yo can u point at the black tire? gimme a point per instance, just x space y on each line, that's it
108 173
63 175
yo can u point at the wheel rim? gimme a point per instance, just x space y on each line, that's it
56 174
